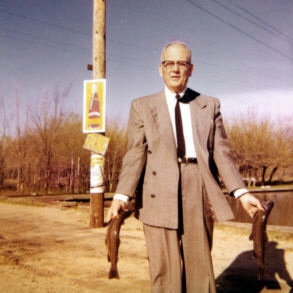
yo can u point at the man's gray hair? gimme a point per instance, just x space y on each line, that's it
181 43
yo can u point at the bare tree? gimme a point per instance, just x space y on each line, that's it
72 157
282 147
260 145
21 149
3 143
48 122
114 154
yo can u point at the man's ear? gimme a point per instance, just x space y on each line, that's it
191 69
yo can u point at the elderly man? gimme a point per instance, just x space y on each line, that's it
178 146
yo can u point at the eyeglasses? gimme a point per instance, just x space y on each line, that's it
181 64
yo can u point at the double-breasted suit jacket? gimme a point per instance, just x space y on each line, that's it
152 152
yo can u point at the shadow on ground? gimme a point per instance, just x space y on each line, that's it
241 275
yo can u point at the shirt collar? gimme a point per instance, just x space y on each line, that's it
170 95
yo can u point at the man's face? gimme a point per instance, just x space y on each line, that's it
176 67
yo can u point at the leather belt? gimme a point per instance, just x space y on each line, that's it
188 160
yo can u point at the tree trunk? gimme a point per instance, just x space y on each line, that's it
263 175
272 174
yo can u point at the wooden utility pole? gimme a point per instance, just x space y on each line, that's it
99 16
99 35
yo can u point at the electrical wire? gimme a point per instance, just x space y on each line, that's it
266 45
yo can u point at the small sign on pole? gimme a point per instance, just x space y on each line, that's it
97 173
97 144
94 106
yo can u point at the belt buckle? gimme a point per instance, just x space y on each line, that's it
193 160
186 160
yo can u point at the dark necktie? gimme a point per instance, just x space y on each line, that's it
188 96
179 130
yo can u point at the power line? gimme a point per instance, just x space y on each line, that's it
45 22
47 41
290 39
240 30
40 40
36 42
265 26
66 28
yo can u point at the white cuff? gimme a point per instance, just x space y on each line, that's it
121 197
240 191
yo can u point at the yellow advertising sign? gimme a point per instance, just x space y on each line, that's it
94 106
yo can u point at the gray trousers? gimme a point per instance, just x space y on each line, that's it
180 260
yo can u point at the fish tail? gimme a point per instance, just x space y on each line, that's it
113 274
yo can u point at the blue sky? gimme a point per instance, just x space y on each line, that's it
242 51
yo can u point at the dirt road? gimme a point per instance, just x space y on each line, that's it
51 248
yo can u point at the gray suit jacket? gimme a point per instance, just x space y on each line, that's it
152 152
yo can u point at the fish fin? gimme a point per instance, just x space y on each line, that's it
113 274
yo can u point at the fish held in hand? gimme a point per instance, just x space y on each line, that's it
259 235
112 240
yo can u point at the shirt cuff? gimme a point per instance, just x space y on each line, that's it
121 197
238 192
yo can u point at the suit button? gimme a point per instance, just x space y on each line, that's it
154 173
153 196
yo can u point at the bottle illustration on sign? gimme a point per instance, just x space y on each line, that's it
94 108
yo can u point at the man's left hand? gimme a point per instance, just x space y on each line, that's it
250 204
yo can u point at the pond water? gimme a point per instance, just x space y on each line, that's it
281 214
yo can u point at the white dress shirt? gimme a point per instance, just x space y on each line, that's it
186 122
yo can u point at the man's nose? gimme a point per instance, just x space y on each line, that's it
176 67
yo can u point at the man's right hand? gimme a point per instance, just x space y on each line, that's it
116 206
250 204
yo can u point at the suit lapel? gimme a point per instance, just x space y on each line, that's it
201 122
161 117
